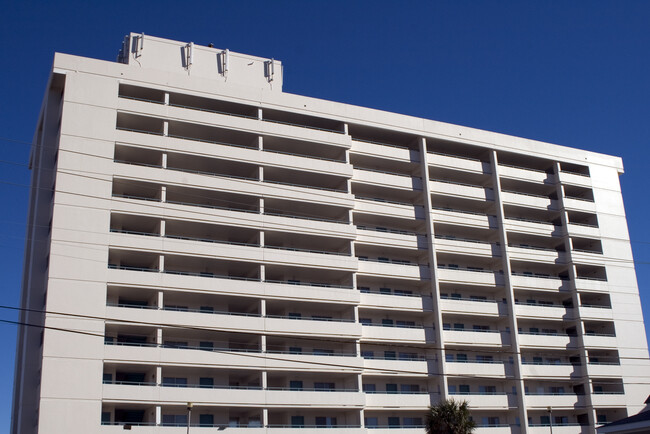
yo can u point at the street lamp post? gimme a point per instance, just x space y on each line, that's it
189 416
550 417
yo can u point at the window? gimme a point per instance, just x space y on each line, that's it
537 360
369 388
175 344
365 321
293 282
600 418
391 388
387 322
487 390
545 420
294 315
393 421
461 358
254 422
322 352
206 345
484 359
464 389
409 388
459 326
534 330
490 421
206 382
556 390
384 290
368 354
449 357
480 327
390 355
383 259
174 382
446 326
206 309
451 389
363 289
561 420
295 350
325 421
405 324
106 417
408 356
174 420
325 386
206 420
233 421
107 378
370 421
403 292
295 385
413 421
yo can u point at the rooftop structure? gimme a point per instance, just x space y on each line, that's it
196 235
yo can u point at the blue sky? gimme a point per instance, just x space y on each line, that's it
572 73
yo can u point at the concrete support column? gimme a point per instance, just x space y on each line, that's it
166 98
165 128
259 113
261 205
260 143
158 415
439 346
158 375
163 194
159 336
161 263
163 160
265 417
514 351
160 302
163 229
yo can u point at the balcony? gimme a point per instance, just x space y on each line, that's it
579 204
495 369
396 366
600 340
583 230
470 276
539 340
560 370
470 306
560 429
609 399
390 238
458 163
497 401
542 311
528 200
407 401
386 179
605 370
567 400
457 189
574 178
467 246
484 338
397 302
377 206
526 174
529 281
536 254
384 150
596 312
412 335
394 270
593 284
464 218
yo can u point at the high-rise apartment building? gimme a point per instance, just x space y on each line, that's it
198 236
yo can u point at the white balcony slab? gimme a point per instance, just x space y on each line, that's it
528 201
460 190
592 285
469 307
402 154
580 205
410 212
391 239
458 163
484 339
482 221
596 370
583 231
387 269
599 313
463 247
498 401
594 341
397 334
543 283
574 179
550 371
536 255
461 276
546 341
554 401
560 429
493 370
395 302
608 400
399 367
389 180
543 312
379 401
529 175
533 228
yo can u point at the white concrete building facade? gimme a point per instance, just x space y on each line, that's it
198 236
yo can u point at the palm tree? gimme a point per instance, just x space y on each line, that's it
449 417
